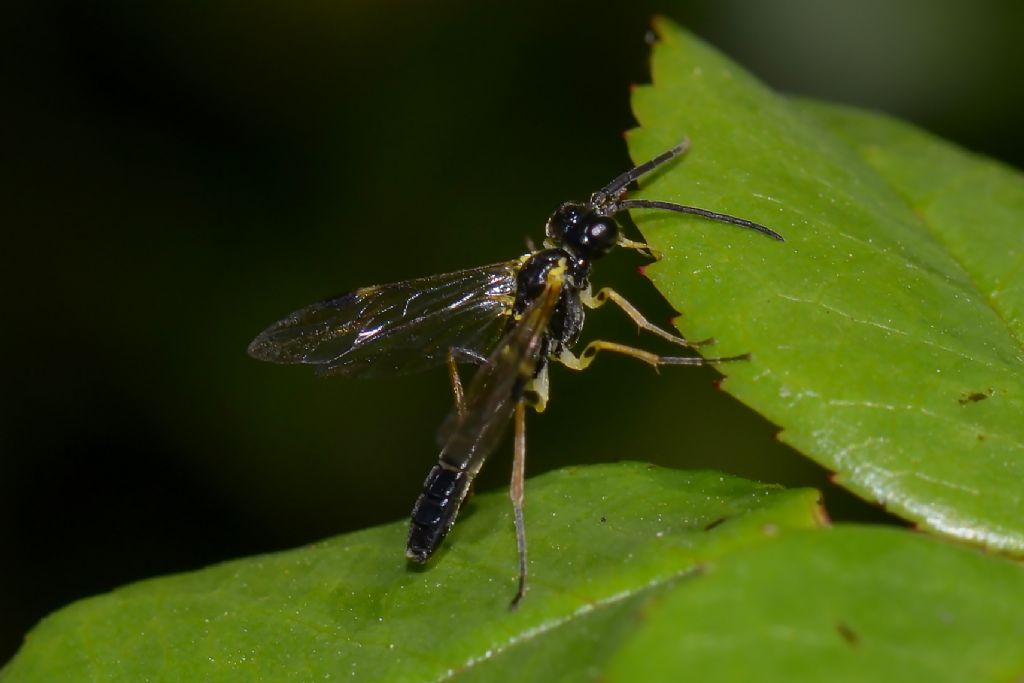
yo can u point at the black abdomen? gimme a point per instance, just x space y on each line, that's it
435 511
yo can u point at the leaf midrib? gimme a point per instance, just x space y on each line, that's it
529 634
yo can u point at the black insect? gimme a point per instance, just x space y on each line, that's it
508 318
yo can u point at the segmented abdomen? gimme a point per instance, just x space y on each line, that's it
434 512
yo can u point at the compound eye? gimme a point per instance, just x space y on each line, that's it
565 222
602 233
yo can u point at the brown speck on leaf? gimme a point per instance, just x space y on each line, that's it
713 524
974 396
847 633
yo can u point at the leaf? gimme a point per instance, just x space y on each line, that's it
886 331
601 538
850 604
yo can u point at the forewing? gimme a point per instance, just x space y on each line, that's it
497 385
397 328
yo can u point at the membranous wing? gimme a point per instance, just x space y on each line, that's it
490 401
498 385
397 328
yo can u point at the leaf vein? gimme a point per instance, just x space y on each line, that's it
543 628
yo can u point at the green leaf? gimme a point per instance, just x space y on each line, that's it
600 537
886 331
851 604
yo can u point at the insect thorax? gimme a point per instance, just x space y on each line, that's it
567 320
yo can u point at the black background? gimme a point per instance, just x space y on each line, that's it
182 174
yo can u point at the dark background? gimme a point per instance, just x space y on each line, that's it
182 174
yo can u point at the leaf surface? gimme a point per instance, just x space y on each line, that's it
848 604
351 607
886 331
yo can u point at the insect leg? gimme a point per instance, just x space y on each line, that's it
453 376
455 354
636 246
608 294
516 493
537 391
581 362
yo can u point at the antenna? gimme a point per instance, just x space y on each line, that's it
618 186
608 200
703 213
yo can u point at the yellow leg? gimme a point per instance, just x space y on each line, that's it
516 493
453 375
608 294
458 355
581 362
638 246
